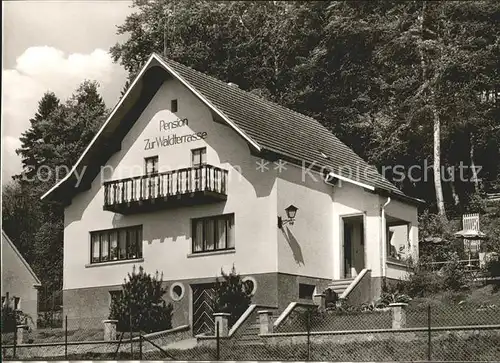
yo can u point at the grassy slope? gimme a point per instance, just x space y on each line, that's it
483 295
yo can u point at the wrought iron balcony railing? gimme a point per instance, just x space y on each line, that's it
189 186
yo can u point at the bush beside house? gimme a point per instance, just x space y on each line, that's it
140 306
232 295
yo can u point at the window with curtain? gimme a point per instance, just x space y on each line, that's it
151 165
116 244
214 233
199 156
113 245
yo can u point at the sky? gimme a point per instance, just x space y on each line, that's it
54 45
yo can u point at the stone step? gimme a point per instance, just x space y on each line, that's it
341 282
339 286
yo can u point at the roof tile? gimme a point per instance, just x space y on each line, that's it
282 130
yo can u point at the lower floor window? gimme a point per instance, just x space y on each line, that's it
116 244
213 233
306 291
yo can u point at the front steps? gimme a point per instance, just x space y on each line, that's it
250 333
339 286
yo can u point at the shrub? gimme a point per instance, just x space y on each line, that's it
453 275
11 318
141 304
421 283
493 268
232 295
387 298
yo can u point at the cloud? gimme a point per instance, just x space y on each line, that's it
41 69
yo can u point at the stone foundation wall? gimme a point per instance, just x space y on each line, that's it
86 308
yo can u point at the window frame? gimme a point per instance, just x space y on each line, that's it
203 151
228 217
138 229
174 102
388 238
305 286
155 165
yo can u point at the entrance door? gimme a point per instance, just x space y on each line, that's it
203 309
353 245
347 249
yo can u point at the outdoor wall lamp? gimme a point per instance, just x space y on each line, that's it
291 211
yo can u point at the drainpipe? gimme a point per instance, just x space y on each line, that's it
384 237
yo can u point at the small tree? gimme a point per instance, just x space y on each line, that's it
141 304
232 295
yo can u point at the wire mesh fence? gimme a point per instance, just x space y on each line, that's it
423 333
75 339
397 333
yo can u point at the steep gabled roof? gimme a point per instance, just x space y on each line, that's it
21 258
266 126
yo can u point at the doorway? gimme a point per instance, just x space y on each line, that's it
353 246
203 308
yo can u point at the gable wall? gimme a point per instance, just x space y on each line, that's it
18 281
167 233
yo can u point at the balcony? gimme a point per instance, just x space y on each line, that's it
176 188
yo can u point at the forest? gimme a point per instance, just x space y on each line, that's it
412 87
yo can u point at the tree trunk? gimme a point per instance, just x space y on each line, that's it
456 199
473 165
437 156
431 100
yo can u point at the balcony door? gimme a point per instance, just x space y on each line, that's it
150 184
198 158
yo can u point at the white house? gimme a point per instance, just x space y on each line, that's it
190 174
19 282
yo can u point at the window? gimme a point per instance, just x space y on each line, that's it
151 165
177 291
173 105
199 156
250 284
213 233
398 241
116 244
306 291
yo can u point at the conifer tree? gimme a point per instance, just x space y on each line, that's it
141 304
232 295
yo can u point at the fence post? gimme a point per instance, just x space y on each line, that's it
222 320
265 321
130 324
140 346
66 337
110 329
217 340
20 329
15 342
398 315
308 326
320 300
429 332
